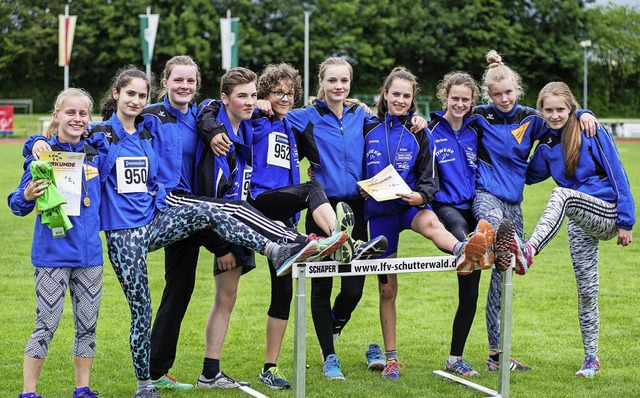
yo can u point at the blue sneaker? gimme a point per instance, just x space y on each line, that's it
274 379
590 367
331 368
461 367
29 395
84 392
392 370
375 360
370 250
292 253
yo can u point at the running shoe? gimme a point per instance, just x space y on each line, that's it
84 392
505 235
220 381
331 368
493 366
290 253
29 395
507 243
375 360
524 254
274 379
147 392
461 367
469 253
345 221
590 367
326 246
486 230
392 370
167 381
372 249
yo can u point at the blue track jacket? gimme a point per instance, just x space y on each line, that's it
600 172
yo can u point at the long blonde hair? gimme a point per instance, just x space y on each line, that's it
496 72
570 136
59 103
322 69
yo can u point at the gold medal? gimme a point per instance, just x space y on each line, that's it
86 201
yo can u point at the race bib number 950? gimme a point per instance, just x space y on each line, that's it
132 174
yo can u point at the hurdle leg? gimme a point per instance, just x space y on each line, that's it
505 331
300 338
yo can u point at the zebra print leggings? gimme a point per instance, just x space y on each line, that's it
85 286
590 220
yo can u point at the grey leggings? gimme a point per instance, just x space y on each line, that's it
492 209
85 287
590 220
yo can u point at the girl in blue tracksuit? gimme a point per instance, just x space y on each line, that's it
388 141
134 214
330 136
593 192
507 133
73 261
453 139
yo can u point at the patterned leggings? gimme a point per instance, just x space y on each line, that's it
128 250
590 220
85 286
494 210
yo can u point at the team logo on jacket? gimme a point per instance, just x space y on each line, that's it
519 132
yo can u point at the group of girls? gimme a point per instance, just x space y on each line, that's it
467 171
137 216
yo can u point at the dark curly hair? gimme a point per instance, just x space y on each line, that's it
275 74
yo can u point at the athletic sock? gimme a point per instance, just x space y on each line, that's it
210 367
272 250
495 357
389 355
267 366
453 359
142 384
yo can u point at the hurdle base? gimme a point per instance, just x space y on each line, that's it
251 392
467 383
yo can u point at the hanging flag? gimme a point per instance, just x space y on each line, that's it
148 30
66 30
229 37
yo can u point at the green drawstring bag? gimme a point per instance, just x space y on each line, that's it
50 202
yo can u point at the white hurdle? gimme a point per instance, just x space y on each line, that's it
324 269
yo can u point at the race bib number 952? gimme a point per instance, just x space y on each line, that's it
132 174
279 150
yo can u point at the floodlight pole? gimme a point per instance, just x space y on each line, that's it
585 44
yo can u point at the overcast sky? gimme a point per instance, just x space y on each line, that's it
633 3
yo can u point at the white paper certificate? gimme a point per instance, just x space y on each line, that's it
67 168
385 185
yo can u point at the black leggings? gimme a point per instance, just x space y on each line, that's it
328 321
282 204
460 222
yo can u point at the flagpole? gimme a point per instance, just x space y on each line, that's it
66 64
149 63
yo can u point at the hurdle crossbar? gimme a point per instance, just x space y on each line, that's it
325 269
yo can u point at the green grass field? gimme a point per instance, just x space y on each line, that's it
546 334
